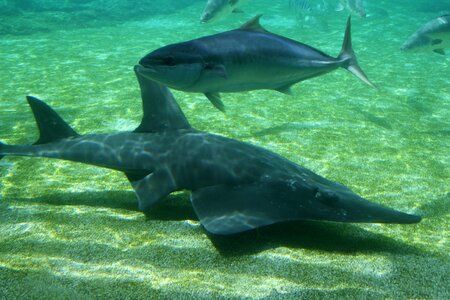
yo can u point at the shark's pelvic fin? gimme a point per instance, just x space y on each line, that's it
51 126
161 111
152 187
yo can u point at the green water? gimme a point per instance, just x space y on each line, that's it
72 231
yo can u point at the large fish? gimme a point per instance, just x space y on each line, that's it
433 36
248 58
235 186
216 9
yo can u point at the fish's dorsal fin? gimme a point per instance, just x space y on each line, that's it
51 126
161 111
253 25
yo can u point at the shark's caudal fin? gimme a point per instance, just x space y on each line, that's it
348 57
161 111
1 148
51 126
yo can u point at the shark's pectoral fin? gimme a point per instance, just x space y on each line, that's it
216 101
439 51
228 210
151 188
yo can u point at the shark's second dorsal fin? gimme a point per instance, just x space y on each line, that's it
51 126
254 25
161 111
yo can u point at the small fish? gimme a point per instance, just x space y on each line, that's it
216 9
353 6
245 59
434 36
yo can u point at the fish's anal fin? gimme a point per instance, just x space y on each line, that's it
216 101
51 126
151 188
232 209
237 10
439 51
254 25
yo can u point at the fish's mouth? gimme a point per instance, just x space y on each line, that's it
144 70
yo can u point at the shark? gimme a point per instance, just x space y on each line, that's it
244 59
235 186
433 36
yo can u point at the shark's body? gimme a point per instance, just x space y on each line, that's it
216 9
235 186
432 36
248 58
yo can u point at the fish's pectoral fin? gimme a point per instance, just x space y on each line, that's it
439 51
216 101
254 25
216 69
233 209
286 89
436 42
151 188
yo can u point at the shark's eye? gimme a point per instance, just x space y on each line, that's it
169 61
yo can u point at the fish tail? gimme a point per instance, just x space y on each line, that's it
2 146
2 149
348 57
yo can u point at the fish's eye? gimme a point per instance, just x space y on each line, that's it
169 61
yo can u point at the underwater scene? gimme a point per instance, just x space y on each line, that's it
303 155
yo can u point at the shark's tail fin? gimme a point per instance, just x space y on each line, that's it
348 56
1 148
51 126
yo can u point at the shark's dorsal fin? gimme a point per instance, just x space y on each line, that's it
161 111
254 25
51 126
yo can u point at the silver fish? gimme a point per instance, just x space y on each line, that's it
244 59
434 36
216 9
353 6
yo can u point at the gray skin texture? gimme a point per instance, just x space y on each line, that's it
235 186
432 36
248 58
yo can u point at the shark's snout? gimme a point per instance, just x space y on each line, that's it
346 206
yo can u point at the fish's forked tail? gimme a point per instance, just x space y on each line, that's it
348 56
